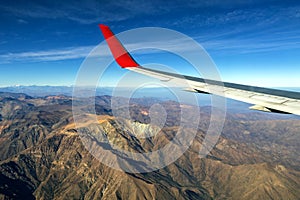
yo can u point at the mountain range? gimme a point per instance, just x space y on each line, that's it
42 155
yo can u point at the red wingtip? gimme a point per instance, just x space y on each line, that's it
121 55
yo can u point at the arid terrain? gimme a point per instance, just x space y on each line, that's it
42 155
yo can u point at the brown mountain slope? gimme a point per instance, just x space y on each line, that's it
55 165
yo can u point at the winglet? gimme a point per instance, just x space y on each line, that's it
121 55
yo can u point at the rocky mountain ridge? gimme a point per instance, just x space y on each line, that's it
42 156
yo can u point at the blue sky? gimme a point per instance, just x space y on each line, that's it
252 42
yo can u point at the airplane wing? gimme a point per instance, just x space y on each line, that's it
263 99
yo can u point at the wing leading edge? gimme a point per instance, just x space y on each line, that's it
263 99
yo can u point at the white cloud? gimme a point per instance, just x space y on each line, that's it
226 43
83 51
85 12
48 55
